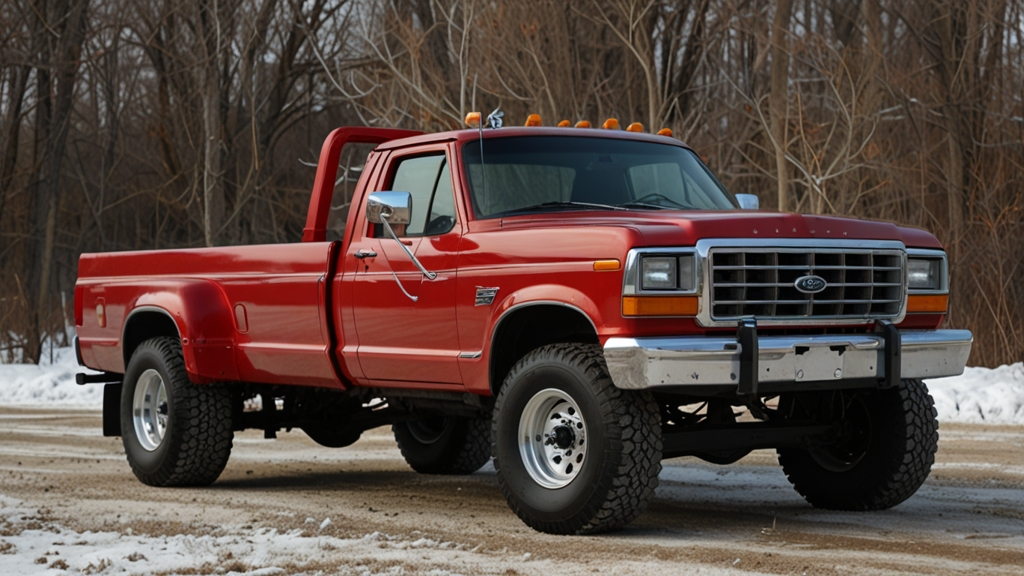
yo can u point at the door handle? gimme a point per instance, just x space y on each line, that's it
365 254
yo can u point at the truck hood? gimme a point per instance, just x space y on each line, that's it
677 228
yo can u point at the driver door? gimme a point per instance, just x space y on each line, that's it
399 339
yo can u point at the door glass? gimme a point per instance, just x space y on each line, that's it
428 180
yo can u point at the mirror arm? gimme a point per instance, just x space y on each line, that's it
428 274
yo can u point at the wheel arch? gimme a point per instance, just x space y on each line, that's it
143 323
197 313
529 325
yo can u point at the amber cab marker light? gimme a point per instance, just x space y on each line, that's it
533 120
635 127
473 119
564 124
583 124
606 265
927 303
611 124
665 132
659 305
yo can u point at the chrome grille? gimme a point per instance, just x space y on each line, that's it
861 283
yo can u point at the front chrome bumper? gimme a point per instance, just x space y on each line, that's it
835 360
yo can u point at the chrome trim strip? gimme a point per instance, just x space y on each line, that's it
471 355
641 363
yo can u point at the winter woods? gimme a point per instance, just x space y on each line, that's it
140 124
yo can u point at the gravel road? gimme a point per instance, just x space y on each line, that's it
68 501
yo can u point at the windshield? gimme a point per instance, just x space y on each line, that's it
540 174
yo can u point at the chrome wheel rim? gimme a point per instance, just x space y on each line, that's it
149 409
552 438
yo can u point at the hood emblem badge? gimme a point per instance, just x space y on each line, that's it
810 284
485 296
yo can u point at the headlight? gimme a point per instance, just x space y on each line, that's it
924 274
659 273
673 273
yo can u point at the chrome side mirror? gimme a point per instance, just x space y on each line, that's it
748 201
389 208
396 207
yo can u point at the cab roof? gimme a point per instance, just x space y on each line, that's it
473 134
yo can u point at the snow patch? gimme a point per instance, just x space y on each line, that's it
31 544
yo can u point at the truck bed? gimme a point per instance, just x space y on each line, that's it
257 310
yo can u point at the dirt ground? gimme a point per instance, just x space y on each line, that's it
968 517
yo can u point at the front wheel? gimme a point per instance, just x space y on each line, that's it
574 454
883 454
175 433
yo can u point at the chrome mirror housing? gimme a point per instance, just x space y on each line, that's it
748 201
396 207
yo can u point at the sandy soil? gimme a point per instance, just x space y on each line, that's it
969 516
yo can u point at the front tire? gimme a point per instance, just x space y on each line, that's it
175 433
884 453
574 454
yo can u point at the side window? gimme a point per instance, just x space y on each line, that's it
428 180
442 210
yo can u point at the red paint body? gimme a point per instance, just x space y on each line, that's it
313 314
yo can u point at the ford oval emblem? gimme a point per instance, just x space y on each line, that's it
810 284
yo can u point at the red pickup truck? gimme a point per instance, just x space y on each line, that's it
578 304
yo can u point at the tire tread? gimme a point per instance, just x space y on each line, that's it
631 417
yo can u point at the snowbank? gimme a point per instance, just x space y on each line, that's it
980 395
48 384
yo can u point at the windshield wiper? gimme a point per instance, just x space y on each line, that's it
643 205
546 205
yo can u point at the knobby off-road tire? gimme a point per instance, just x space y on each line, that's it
574 454
895 455
454 446
175 433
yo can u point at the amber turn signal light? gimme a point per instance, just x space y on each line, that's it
533 120
606 265
927 303
659 305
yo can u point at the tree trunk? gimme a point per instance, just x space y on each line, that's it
69 20
778 98
213 186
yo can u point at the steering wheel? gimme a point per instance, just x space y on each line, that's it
439 225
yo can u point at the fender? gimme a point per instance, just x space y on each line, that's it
545 294
205 324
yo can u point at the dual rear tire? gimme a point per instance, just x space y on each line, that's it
175 433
